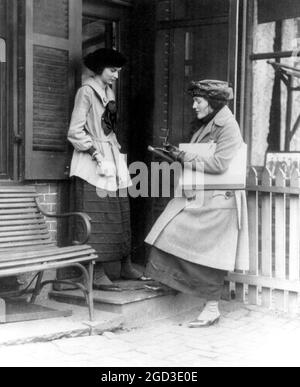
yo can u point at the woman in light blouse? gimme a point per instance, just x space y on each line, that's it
97 160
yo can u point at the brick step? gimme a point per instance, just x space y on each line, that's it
76 325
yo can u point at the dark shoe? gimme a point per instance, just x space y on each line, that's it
128 272
102 282
107 288
156 287
203 323
135 278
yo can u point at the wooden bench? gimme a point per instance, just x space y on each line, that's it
26 246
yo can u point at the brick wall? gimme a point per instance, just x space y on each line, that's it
49 200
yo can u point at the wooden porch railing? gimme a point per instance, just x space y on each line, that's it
274 229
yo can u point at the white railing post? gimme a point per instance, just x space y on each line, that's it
253 234
266 235
280 239
294 240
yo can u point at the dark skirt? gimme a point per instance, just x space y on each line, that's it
110 217
185 277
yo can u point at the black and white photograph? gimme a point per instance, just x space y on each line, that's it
149 186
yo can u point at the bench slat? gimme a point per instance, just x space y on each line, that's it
58 257
23 238
21 217
19 211
23 227
17 189
44 251
17 195
26 222
17 200
5 246
17 205
23 233
48 266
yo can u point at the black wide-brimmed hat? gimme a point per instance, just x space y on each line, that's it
213 89
104 57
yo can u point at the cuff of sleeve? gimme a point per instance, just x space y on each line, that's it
91 151
180 157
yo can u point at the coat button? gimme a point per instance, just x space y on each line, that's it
229 194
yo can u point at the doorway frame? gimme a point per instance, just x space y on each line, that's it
14 139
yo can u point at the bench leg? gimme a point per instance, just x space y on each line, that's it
37 288
90 290
88 274
2 311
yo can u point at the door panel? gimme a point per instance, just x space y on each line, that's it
191 46
200 53
5 144
52 58
3 110
97 33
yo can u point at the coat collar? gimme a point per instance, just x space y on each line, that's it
219 120
105 95
223 115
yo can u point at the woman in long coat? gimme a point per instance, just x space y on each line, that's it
97 161
195 246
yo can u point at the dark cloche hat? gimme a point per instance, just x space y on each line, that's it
104 57
213 89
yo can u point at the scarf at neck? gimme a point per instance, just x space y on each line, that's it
197 124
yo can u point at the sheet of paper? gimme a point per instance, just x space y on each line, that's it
234 177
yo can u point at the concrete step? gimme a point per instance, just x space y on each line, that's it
136 304
77 325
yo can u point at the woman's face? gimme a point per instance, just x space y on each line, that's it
201 107
110 75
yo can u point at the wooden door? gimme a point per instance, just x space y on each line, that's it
201 53
196 39
6 167
108 25
104 26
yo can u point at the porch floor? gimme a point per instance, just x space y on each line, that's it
245 336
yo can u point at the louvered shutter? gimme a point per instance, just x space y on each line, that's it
53 54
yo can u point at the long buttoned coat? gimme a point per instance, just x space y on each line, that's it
214 234
86 131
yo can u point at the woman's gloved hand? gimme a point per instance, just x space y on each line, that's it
97 157
106 168
174 152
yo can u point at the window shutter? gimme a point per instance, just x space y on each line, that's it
4 151
53 52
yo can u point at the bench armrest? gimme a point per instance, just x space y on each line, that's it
86 221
